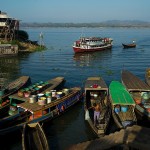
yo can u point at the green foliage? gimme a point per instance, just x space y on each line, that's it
22 35
40 48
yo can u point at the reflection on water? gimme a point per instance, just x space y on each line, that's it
64 129
83 59
10 68
88 58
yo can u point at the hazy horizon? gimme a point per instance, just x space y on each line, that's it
70 11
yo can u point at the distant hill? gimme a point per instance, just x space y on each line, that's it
110 23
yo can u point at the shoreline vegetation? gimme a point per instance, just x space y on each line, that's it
24 43
26 46
113 23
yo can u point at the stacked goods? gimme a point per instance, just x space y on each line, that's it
33 89
49 96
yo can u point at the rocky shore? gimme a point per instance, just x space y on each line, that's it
30 47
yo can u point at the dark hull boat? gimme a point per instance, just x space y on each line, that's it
34 138
123 105
42 110
53 84
11 88
96 91
140 93
129 45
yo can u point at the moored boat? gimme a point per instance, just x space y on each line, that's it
140 92
147 76
11 88
96 92
90 44
123 105
33 137
43 110
28 94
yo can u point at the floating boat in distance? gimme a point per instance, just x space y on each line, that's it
140 92
123 105
96 92
147 76
132 45
33 137
90 44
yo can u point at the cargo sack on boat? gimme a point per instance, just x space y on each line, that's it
87 117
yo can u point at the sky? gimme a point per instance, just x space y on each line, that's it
76 11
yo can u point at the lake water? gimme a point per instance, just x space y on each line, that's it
59 60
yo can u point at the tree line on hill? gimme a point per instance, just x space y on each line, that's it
112 23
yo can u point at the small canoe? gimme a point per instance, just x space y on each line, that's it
96 92
11 88
140 92
34 138
133 45
147 76
123 105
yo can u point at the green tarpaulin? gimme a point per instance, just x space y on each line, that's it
119 94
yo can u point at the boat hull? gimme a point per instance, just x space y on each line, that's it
97 85
147 76
33 137
137 87
55 84
12 88
43 114
80 50
123 105
129 45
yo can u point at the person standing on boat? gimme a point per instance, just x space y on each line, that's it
97 110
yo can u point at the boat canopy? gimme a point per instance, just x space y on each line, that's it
95 83
132 82
119 94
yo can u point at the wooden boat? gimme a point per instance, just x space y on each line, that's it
53 84
139 91
33 137
147 76
96 91
132 45
11 88
90 44
123 105
42 111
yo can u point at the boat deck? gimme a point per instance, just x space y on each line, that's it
95 81
52 84
133 83
34 107
126 115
